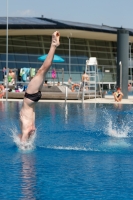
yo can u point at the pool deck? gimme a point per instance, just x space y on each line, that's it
107 100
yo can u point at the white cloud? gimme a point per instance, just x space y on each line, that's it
24 13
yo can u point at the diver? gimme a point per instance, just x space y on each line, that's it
33 93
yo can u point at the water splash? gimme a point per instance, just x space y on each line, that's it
23 146
115 131
115 127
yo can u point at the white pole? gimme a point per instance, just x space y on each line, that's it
130 64
120 63
66 94
7 54
69 38
69 56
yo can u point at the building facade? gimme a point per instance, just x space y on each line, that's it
30 38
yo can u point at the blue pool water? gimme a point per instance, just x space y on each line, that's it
81 152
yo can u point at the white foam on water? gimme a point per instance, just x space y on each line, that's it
116 129
24 146
116 143
119 132
70 148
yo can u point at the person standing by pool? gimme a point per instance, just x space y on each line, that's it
33 93
85 80
85 77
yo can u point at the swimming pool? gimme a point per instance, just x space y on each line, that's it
82 151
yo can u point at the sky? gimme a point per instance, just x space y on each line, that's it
114 13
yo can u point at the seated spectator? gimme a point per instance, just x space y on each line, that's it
11 77
45 83
58 84
70 81
118 95
129 87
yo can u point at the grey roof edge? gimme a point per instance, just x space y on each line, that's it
61 24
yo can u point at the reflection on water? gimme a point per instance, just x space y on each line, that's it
2 107
28 177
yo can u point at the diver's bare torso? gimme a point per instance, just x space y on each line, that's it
27 119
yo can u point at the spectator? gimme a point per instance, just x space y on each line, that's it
85 80
4 72
45 83
118 95
58 84
11 77
129 87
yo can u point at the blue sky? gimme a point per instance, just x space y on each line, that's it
110 12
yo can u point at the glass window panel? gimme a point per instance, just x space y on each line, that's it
21 50
18 38
114 44
92 42
100 43
93 48
108 50
9 42
3 64
2 49
79 41
64 40
33 44
66 59
11 57
74 60
3 57
107 44
19 42
35 65
103 62
82 53
0 67
21 57
79 47
10 49
94 54
47 45
34 38
12 65
2 41
77 68
64 46
35 51
102 55
33 58
103 49
82 59
21 65
47 38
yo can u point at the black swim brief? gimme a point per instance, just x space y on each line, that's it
33 97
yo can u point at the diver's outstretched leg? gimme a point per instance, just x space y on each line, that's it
37 82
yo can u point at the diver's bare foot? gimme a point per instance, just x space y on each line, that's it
56 38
